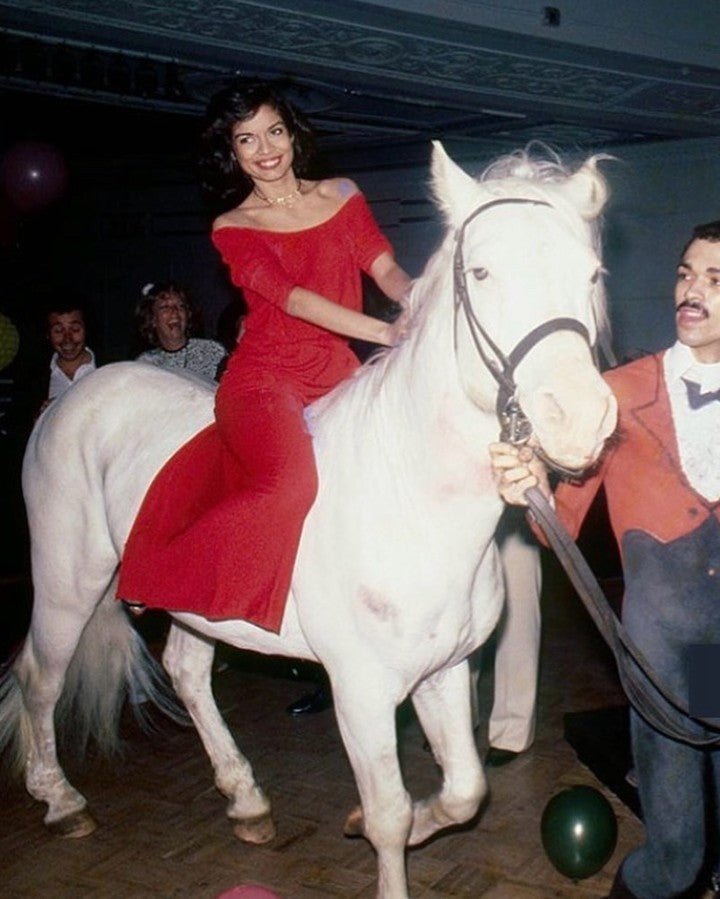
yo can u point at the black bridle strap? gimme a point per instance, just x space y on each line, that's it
500 366
528 342
542 331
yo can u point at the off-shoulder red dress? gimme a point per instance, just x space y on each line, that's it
219 528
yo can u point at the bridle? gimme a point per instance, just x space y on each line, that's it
515 427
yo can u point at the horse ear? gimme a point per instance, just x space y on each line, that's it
587 188
452 188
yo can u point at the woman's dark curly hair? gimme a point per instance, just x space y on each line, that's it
145 309
221 177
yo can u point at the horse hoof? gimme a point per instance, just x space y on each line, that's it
73 827
354 823
255 830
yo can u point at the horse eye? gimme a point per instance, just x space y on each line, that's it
479 273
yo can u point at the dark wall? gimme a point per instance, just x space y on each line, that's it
132 212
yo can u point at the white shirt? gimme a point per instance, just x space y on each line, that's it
697 431
59 381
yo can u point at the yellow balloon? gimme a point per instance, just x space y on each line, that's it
9 341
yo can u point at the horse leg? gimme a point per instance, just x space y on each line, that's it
365 711
39 673
188 660
442 703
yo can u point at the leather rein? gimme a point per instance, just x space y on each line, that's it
655 703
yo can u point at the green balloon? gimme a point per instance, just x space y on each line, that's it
579 831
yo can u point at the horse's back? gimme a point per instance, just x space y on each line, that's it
95 450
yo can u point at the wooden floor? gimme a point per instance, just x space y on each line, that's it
163 833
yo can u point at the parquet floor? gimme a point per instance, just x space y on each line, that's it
163 833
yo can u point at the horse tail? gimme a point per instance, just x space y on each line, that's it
111 664
15 739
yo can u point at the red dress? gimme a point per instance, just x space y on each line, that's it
219 528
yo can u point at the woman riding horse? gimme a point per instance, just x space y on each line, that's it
238 496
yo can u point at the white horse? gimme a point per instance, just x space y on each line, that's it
397 579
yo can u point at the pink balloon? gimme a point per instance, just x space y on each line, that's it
250 891
33 175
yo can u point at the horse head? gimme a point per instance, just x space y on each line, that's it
529 299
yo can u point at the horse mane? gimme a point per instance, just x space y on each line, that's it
534 162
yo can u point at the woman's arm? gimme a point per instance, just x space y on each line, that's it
391 278
313 308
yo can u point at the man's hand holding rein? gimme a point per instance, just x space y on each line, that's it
516 469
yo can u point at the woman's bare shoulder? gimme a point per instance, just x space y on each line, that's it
339 189
228 220
242 216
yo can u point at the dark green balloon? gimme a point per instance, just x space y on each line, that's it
579 831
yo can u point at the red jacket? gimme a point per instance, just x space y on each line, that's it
644 483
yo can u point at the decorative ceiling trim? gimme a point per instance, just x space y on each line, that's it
270 33
382 72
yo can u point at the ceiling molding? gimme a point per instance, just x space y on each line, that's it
369 74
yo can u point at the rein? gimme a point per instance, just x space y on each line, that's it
658 706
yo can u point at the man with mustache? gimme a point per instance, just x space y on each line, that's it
662 481
72 358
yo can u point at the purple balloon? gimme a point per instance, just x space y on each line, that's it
250 891
33 175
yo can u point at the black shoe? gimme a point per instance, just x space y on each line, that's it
310 703
496 758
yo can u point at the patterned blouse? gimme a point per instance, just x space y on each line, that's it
200 356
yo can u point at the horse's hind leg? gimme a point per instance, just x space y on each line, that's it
442 703
39 672
188 660
45 780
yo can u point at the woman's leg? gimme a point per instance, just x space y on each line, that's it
266 436
219 528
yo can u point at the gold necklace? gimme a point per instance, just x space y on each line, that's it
287 200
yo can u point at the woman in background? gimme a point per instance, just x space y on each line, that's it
166 319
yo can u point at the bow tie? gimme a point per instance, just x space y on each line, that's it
697 399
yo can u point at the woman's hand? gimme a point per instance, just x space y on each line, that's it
516 469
